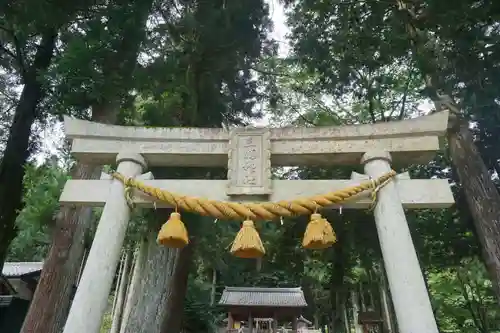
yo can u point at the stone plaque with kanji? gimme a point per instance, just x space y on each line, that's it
249 162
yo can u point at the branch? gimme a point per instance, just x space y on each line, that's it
301 116
476 294
322 106
18 55
8 97
371 107
271 73
418 42
8 52
468 301
405 95
349 113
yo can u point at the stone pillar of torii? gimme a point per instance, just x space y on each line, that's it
249 154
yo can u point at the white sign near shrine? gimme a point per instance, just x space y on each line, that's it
249 153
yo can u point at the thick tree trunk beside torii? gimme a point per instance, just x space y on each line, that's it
135 281
480 191
56 284
150 296
17 148
157 304
178 289
59 274
51 301
481 194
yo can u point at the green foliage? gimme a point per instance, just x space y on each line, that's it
198 73
198 317
107 320
43 186
97 57
211 64
464 299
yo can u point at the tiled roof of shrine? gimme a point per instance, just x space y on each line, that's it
17 269
263 297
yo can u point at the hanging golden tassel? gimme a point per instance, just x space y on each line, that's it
319 234
173 233
247 243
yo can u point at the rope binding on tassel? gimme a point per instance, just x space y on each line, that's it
247 243
173 233
319 234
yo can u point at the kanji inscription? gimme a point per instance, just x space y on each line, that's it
249 163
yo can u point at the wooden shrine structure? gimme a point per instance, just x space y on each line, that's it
249 154
18 281
248 304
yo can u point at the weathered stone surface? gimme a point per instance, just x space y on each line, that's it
249 162
91 298
408 141
410 297
414 193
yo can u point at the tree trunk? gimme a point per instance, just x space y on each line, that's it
55 288
118 282
386 307
161 290
58 279
481 194
146 314
17 148
140 262
362 297
336 321
316 320
345 318
214 284
355 312
51 301
178 288
120 294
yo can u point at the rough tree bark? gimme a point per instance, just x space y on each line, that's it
345 318
480 191
158 297
214 286
150 295
58 277
338 293
118 282
177 292
121 293
481 194
386 305
135 281
355 312
50 304
17 148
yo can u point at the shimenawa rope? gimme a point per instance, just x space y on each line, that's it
255 210
319 233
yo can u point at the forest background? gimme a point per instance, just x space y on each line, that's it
213 63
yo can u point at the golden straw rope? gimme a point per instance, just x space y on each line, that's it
254 210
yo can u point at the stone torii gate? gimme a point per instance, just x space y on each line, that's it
249 154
